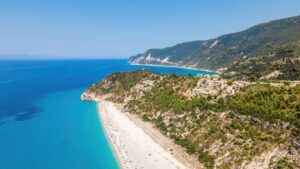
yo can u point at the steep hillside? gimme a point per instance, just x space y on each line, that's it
282 63
224 124
225 50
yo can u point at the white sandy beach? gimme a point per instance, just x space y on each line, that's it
132 146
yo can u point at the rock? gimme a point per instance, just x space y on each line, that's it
178 124
85 96
107 85
168 134
293 151
296 143
142 94
270 128
255 120
276 156
239 117
285 124
283 136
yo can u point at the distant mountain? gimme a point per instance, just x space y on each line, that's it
226 50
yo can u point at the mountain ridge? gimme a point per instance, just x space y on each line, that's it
223 51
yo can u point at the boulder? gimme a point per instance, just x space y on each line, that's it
293 151
296 143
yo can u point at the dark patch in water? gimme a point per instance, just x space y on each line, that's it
2 122
29 114
24 83
22 117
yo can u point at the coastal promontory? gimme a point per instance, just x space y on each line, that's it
219 122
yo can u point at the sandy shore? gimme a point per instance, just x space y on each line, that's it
132 146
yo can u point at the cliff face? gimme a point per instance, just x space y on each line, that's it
226 124
225 50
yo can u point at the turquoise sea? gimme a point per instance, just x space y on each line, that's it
43 122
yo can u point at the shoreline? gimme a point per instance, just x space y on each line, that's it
131 145
110 141
173 66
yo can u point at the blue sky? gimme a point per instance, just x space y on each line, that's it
121 28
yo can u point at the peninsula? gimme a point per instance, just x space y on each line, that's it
199 122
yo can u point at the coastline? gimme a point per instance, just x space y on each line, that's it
132 146
108 138
173 66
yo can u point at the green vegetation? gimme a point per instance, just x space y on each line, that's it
283 60
225 50
268 103
206 159
120 83
283 164
244 125
265 102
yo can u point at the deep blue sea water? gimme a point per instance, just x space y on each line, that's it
43 122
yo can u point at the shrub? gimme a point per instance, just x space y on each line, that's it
206 159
